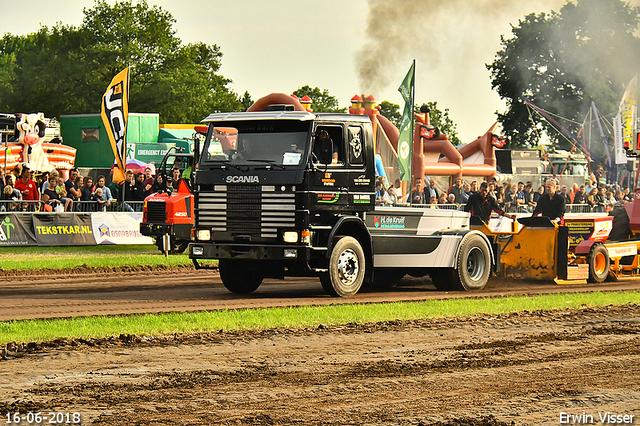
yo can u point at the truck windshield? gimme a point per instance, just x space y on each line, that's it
276 142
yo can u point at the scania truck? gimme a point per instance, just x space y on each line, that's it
294 195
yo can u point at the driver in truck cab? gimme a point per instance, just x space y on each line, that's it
325 150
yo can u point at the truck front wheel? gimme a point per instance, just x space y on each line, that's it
346 268
240 275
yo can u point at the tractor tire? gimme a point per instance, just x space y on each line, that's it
346 268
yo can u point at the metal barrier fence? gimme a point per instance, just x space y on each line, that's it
78 206
569 208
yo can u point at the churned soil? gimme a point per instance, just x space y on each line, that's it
526 368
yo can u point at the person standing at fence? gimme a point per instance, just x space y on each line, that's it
457 189
98 198
520 199
106 192
27 188
466 193
61 190
418 194
429 191
2 181
71 185
551 204
10 196
579 197
564 191
139 194
86 191
599 199
127 187
51 198
148 182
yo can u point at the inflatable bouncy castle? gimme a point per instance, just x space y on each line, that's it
34 140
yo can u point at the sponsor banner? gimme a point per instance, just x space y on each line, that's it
588 229
16 230
115 114
67 229
63 229
118 228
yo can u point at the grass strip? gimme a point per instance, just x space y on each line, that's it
94 256
23 331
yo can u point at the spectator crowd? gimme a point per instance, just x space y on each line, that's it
22 190
520 197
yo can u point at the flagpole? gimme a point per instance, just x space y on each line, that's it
124 140
411 122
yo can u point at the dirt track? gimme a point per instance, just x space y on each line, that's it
82 291
516 369
489 370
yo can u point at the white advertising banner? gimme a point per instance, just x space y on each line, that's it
118 228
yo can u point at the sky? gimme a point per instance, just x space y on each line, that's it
346 47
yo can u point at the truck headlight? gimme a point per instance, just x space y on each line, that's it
204 234
197 251
290 237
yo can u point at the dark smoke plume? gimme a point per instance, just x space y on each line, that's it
399 31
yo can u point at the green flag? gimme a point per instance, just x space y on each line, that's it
405 140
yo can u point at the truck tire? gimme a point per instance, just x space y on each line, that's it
473 265
239 275
346 268
599 263
442 278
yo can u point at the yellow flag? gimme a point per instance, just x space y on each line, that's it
115 113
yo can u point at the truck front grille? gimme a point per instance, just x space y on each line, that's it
156 212
257 211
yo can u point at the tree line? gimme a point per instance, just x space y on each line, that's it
561 61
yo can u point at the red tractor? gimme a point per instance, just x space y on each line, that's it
168 216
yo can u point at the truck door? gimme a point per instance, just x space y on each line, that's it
329 178
361 184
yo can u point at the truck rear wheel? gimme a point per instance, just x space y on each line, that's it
599 263
442 278
473 265
240 275
346 268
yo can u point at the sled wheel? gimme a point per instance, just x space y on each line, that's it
473 265
346 268
598 264
240 275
